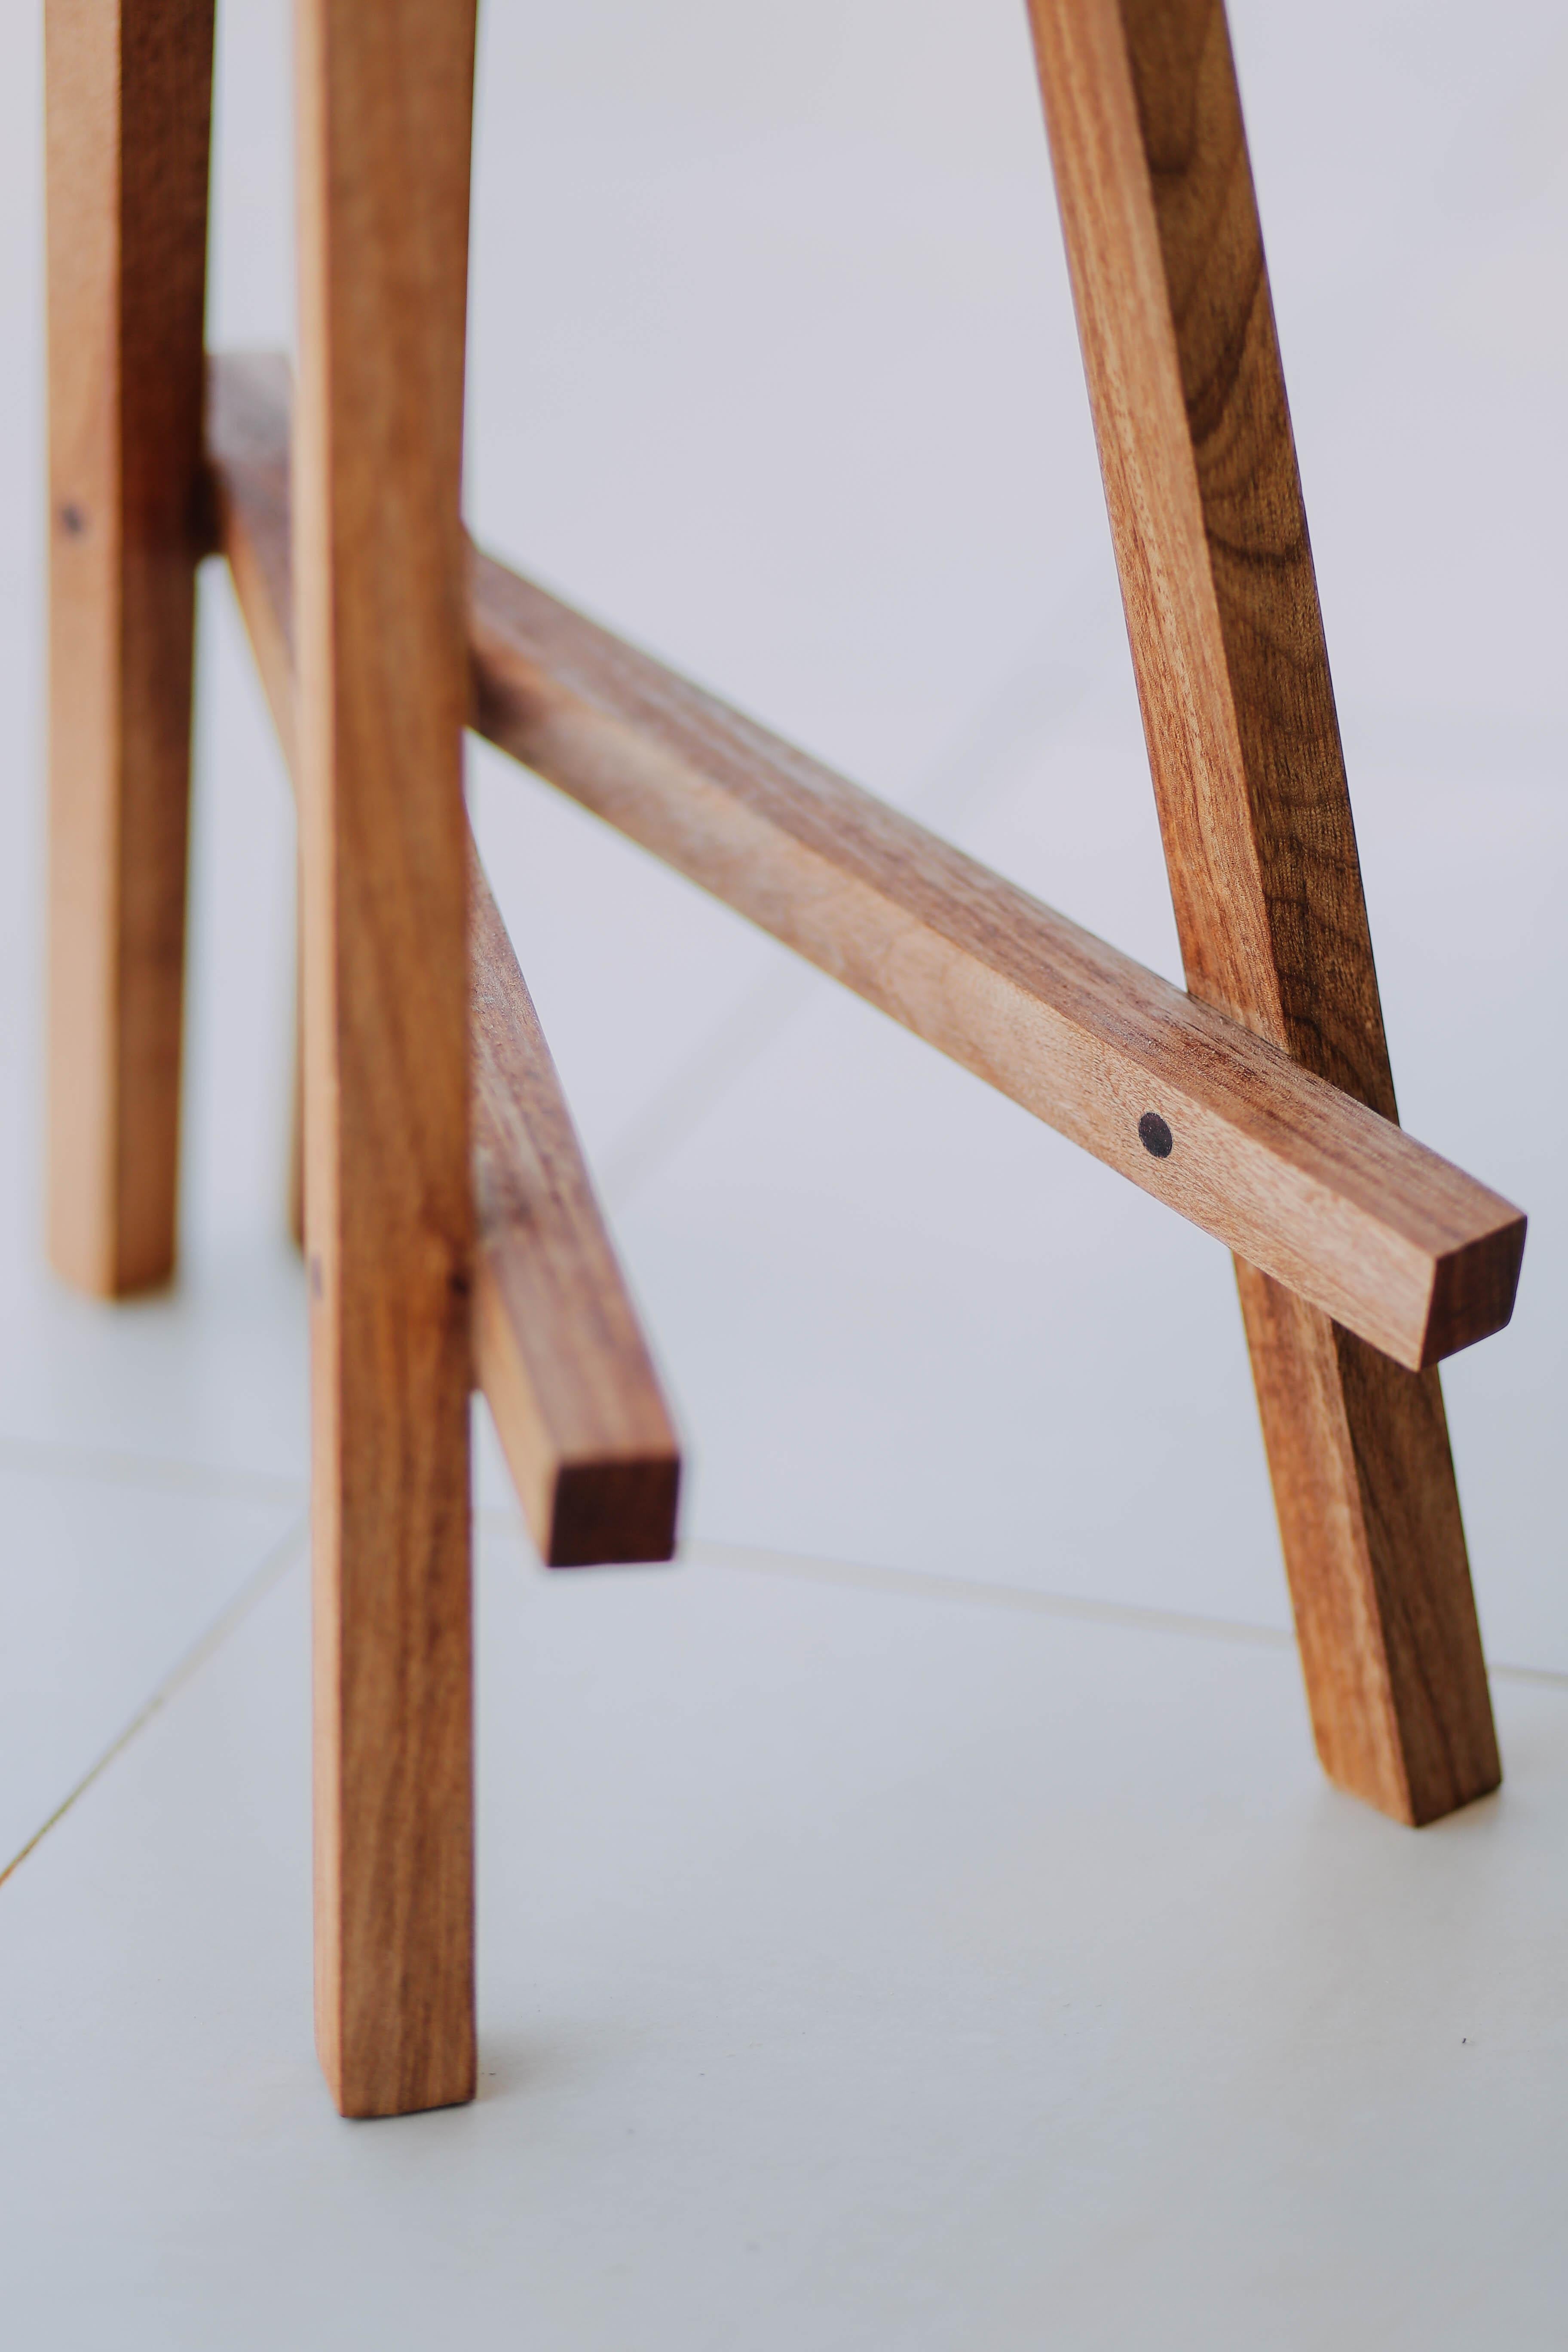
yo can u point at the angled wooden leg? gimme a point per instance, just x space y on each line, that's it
128 104
384 109
1199 461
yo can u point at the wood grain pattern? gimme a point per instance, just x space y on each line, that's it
1334 1200
561 1358
384 110
1177 326
129 102
559 1351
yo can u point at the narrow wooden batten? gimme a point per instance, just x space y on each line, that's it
1296 1176
559 1351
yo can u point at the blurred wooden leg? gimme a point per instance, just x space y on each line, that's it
385 108
128 104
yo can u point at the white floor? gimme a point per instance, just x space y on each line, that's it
916 1919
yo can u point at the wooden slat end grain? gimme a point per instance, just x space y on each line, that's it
1474 1288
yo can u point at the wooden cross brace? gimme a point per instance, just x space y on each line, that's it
452 1234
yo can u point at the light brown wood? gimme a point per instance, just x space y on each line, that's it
384 109
1331 1198
560 1355
561 1358
128 98
1177 326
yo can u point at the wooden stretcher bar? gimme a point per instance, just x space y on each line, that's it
1303 1181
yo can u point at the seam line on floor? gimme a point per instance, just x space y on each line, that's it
270 1571
927 1585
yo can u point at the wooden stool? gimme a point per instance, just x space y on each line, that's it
452 1235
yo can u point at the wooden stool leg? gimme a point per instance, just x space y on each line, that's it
129 108
1200 471
384 109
